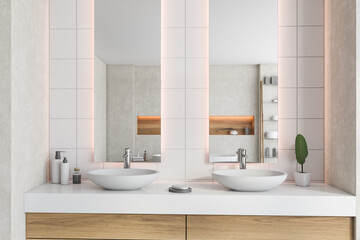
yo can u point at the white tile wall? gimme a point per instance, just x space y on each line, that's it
175 103
286 163
63 103
185 86
287 103
311 103
85 78
58 10
287 133
197 14
85 14
197 42
62 73
195 168
301 84
84 109
311 12
62 133
85 43
287 12
172 166
173 42
196 99
62 44
172 13
197 73
72 81
287 41
314 130
187 51
196 133
173 73
287 72
85 134
310 41
172 134
311 72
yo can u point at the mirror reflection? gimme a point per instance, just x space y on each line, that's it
127 79
243 80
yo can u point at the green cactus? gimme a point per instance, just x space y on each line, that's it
301 150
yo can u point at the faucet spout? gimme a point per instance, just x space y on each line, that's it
242 158
126 157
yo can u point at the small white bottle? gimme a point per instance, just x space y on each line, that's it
65 172
55 167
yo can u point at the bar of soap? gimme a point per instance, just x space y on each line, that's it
180 187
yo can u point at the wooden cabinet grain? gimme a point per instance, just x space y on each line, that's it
63 226
104 226
269 228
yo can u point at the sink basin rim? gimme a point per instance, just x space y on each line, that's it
125 172
249 180
244 173
122 179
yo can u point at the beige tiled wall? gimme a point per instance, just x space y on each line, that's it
185 74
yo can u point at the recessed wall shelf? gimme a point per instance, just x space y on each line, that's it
148 125
222 125
219 125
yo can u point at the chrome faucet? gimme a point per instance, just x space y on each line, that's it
126 157
242 158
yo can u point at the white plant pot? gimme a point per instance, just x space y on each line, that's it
302 179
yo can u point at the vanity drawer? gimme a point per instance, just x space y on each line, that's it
269 228
104 226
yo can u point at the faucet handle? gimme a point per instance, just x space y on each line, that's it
241 152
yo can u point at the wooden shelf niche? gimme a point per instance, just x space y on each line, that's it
222 125
148 125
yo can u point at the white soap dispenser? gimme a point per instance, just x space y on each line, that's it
65 172
55 167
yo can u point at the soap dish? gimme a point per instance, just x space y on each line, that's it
180 189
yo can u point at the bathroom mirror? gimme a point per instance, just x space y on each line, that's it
127 79
243 80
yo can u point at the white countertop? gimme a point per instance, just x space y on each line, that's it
205 199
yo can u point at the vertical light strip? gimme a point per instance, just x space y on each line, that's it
48 99
185 93
133 111
76 82
297 72
324 97
208 89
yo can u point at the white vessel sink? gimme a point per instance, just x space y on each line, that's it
122 179
251 180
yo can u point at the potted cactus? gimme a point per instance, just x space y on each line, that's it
301 178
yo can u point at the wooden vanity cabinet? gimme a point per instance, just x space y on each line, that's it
104 226
48 226
269 228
